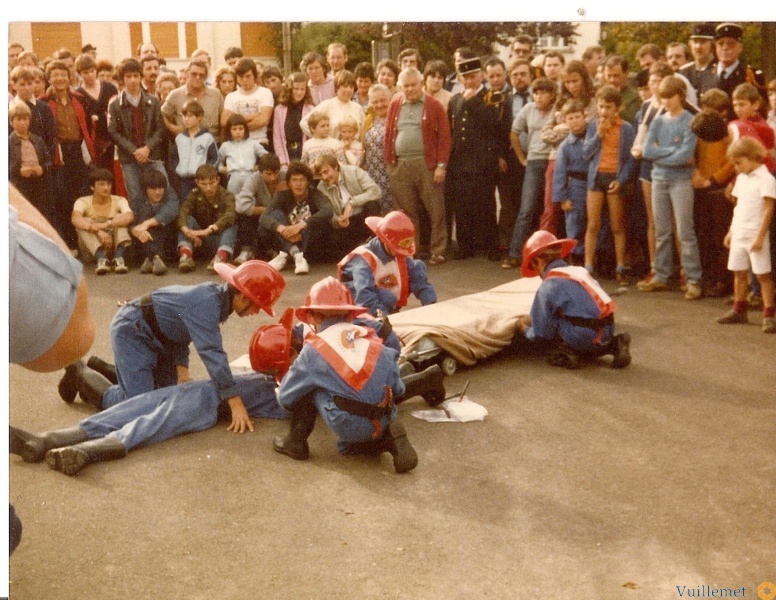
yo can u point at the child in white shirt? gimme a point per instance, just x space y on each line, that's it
321 143
749 241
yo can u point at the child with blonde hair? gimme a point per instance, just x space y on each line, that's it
749 235
351 146
320 143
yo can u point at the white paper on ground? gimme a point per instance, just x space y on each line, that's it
453 411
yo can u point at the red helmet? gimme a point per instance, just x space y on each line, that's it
328 294
537 243
270 347
396 231
259 282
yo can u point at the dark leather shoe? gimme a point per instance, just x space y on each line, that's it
296 449
32 448
564 358
622 357
104 368
71 460
91 387
68 385
404 456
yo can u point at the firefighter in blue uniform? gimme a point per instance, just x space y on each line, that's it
381 274
163 413
345 373
151 336
571 314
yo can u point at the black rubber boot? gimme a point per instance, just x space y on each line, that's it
429 384
396 442
302 424
72 459
104 368
564 357
32 448
68 385
91 386
621 351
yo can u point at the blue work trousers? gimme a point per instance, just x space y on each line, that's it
161 414
143 363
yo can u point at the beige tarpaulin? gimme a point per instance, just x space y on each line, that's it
470 327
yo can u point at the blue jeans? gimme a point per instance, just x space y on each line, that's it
222 240
133 173
674 200
316 238
531 205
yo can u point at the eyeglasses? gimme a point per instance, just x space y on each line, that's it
197 74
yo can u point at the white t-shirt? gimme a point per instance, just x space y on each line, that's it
248 105
750 189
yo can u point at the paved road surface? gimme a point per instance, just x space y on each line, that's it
595 484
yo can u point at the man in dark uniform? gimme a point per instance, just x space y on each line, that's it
508 179
473 164
731 71
701 71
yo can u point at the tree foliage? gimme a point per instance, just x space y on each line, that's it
437 40
626 38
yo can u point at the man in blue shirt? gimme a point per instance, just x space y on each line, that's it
151 336
571 314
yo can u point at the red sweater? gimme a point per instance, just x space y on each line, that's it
435 127
759 129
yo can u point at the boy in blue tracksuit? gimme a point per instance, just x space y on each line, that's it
193 147
569 182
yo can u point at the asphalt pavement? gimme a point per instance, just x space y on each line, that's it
598 484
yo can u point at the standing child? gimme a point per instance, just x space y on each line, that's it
749 238
321 143
531 121
747 104
207 221
194 147
651 108
237 156
348 132
713 171
607 149
670 145
569 184
28 159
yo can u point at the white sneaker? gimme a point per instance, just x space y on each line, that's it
300 264
243 257
279 262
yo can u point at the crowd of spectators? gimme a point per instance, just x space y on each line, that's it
152 166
